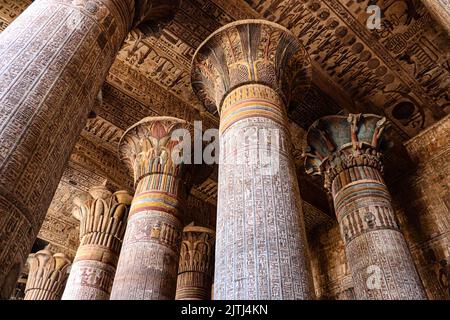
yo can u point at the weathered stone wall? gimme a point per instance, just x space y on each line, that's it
332 279
422 201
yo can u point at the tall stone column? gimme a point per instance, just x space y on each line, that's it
346 151
54 59
440 10
195 270
148 261
103 220
47 276
249 71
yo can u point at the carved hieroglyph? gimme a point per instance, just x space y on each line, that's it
347 152
423 204
195 270
47 276
250 70
148 261
102 226
55 57
399 68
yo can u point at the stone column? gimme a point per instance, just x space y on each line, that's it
102 226
47 276
54 59
196 266
249 71
440 10
347 152
148 261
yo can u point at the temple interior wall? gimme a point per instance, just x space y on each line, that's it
421 199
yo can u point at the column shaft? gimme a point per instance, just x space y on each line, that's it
149 258
196 264
102 226
54 59
261 245
378 256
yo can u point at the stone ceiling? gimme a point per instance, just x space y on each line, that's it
401 71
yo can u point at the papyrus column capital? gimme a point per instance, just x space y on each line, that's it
250 52
336 143
147 146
